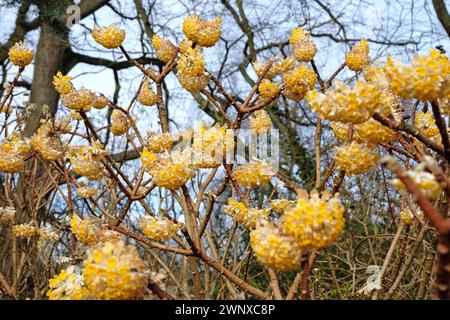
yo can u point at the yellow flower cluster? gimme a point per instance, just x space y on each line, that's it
159 142
191 71
147 96
316 221
424 180
355 158
260 122
254 174
344 104
47 140
86 230
185 44
281 205
85 192
249 217
427 79
358 57
165 50
426 124
7 214
369 132
12 151
110 37
303 48
158 229
68 285
79 100
48 234
268 89
298 82
211 145
100 101
87 160
279 67
62 84
170 170
203 32
274 249
407 216
25 230
113 270
20 55
373 132
119 123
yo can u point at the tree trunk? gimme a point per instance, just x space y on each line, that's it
48 60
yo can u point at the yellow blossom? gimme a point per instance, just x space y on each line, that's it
345 104
79 100
254 174
100 101
159 142
260 122
24 230
158 229
193 83
355 158
87 160
424 180
85 192
110 37
165 50
358 57
303 48
249 217
114 271
68 285
119 123
268 89
315 221
62 84
147 96
426 124
279 66
86 230
274 249
20 55
203 32
298 82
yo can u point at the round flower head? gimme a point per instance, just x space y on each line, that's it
25 230
427 79
119 123
86 230
426 124
47 141
260 122
274 249
211 145
79 100
110 37
7 214
100 101
279 66
170 170
63 84
298 81
358 57
20 55
159 142
345 104
68 285
268 89
303 48
193 83
85 192
424 180
185 44
281 205
249 217
147 96
191 63
355 158
114 271
316 221
48 234
373 132
158 229
87 160
205 33
254 174
165 50
12 152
